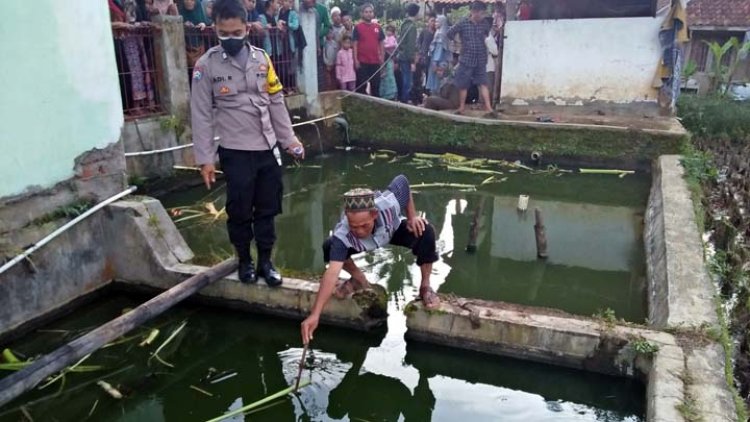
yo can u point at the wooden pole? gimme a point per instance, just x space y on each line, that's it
16 384
471 245
541 235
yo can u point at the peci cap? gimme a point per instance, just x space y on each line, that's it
359 199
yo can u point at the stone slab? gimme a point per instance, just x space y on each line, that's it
680 290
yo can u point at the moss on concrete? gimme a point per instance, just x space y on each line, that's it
374 123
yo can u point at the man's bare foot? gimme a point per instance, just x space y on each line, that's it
429 297
348 287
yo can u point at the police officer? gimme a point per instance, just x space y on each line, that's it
251 124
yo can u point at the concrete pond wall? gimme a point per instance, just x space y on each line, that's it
379 123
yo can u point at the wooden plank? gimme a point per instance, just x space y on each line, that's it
16 384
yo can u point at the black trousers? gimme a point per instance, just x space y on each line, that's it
364 72
423 247
254 194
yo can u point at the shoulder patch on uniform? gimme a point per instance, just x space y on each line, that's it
197 73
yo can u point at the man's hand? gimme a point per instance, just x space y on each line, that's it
416 225
208 171
356 64
308 328
413 67
296 150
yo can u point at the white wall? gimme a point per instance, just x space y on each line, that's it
577 61
60 93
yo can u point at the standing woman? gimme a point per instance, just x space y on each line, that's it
194 17
268 20
439 55
292 41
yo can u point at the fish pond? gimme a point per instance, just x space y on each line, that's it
220 360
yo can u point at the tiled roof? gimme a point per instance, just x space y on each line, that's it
719 13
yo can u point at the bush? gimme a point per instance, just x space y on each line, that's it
714 117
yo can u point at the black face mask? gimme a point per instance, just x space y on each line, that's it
232 45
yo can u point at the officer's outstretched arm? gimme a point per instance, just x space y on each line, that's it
201 116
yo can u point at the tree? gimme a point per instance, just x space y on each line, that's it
721 75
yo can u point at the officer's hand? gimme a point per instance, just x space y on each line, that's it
208 171
296 150
308 328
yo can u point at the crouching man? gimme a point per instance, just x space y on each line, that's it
372 220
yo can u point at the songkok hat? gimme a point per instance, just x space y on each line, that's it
359 199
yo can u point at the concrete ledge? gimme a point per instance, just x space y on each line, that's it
680 290
413 127
153 254
537 334
707 384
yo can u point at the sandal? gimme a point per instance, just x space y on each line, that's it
490 115
428 296
347 289
458 113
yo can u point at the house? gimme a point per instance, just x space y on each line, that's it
601 53
716 21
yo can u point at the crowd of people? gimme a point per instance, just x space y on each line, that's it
440 66
431 61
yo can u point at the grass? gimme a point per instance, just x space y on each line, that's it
607 317
644 347
689 409
710 119
69 211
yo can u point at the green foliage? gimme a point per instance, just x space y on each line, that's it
607 316
689 409
69 211
644 347
690 68
721 74
173 123
699 165
715 117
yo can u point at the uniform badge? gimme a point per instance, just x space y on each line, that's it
197 73
263 68
224 90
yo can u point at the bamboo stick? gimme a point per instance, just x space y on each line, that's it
16 384
258 403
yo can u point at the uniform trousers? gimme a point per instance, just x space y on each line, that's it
254 194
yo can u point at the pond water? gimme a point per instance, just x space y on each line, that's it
595 262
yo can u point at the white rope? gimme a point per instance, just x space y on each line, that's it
179 147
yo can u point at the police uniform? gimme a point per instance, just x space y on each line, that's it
250 123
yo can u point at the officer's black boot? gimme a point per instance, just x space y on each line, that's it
267 270
246 269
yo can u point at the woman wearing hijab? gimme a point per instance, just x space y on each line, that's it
195 20
125 15
439 55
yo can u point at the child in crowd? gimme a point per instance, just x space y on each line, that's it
330 50
390 43
345 74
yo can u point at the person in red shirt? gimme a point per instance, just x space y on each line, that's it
524 10
368 51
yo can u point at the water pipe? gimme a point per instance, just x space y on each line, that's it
65 227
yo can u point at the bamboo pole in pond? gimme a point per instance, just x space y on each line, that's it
16 384
471 245
541 234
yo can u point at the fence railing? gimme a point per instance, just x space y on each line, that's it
138 69
274 41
